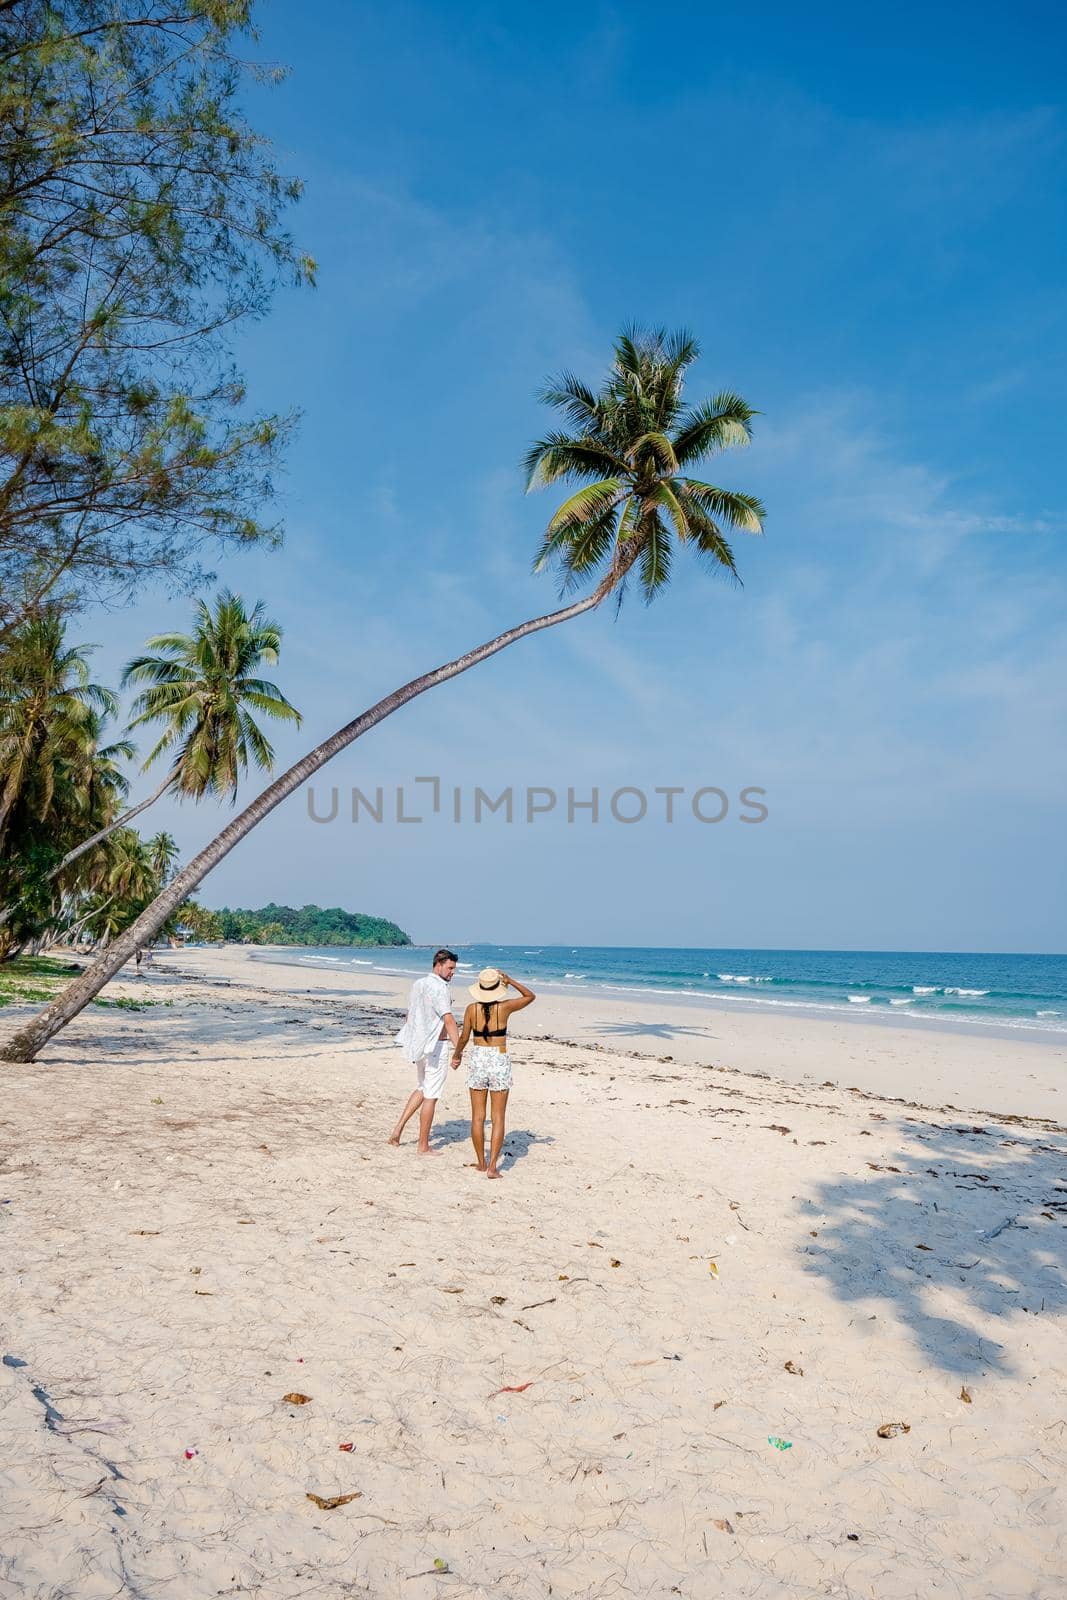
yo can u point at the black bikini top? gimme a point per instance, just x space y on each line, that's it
485 1031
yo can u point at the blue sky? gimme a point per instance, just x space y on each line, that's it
862 218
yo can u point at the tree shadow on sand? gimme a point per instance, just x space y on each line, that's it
652 1030
518 1142
958 1230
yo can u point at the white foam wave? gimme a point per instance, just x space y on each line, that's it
574 974
1049 1013
925 988
900 1002
740 977
970 992
859 999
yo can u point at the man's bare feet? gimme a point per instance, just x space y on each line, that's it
394 1138
428 1151
491 1174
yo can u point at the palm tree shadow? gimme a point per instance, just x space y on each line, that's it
959 1231
517 1141
653 1030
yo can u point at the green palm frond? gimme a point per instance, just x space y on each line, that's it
655 558
559 455
722 423
666 497
586 549
742 511
578 404
656 445
591 501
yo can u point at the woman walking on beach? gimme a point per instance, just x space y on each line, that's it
488 1064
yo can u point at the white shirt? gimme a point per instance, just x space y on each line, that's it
430 1003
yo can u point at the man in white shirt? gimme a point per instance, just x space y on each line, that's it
427 1039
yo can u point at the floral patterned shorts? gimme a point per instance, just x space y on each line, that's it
488 1068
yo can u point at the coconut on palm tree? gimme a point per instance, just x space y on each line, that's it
630 447
205 690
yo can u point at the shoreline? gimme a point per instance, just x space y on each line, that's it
707 1000
743 993
925 1066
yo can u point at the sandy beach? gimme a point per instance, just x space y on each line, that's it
715 1231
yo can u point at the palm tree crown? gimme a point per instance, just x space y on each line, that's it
631 444
201 686
50 716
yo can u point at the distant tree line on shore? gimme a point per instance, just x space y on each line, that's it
311 925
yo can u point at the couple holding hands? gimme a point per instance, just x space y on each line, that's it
430 1037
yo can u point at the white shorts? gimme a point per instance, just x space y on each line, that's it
433 1069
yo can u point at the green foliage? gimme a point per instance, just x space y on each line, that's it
203 688
200 923
59 779
629 442
311 925
29 979
139 224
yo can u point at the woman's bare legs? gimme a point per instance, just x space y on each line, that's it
478 1098
499 1099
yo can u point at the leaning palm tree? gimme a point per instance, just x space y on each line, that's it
628 446
203 688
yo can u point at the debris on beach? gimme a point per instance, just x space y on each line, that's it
779 1444
498 1299
346 1447
723 1524
189 1454
513 1388
713 1268
332 1501
296 1398
798 1372
965 1395
888 1430
615 1262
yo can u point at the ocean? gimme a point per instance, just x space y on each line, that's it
1028 993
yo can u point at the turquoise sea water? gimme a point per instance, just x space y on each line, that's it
1028 992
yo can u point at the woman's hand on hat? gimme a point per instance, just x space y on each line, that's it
505 980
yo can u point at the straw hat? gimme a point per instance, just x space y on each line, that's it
490 986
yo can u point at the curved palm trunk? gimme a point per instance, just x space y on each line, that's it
119 822
29 1040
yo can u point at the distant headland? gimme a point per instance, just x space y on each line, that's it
310 925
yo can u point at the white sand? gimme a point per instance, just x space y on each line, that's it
204 1216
